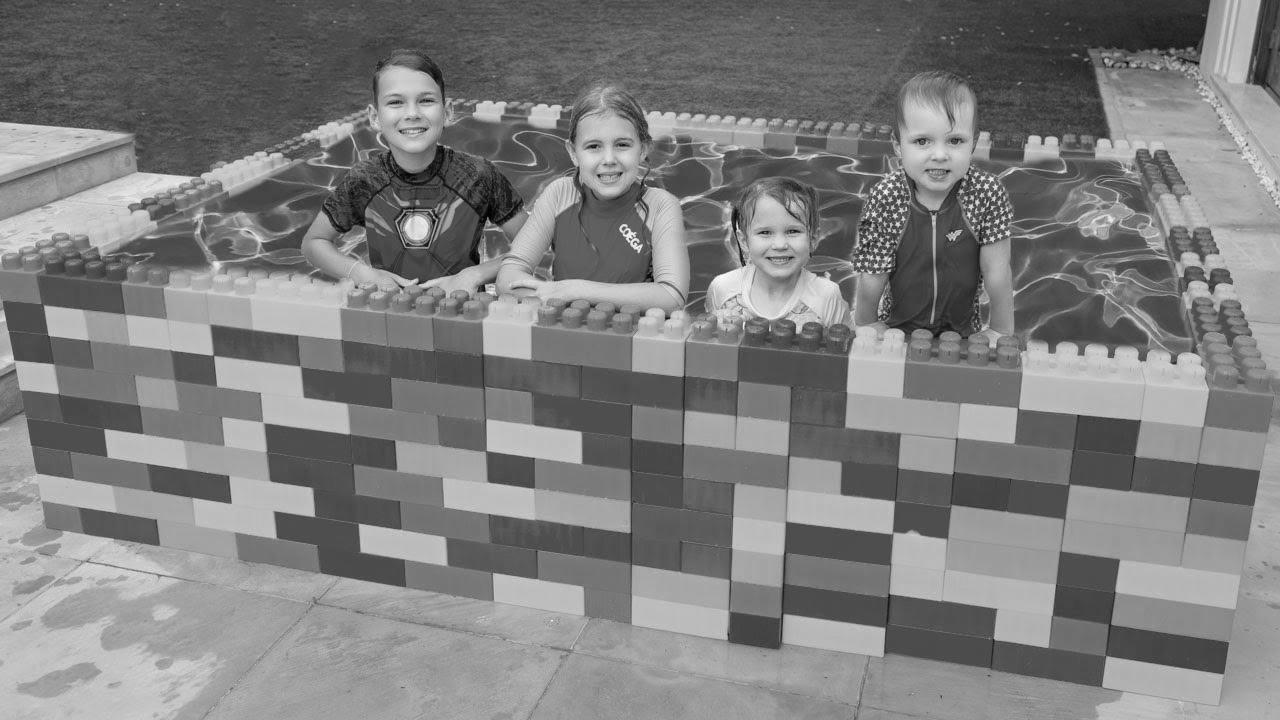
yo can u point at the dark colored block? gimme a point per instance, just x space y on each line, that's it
1101 469
1164 649
52 462
62 291
708 495
765 632
606 384
660 391
361 566
606 450
320 532
143 300
192 368
120 527
839 544
411 364
815 406
1037 498
606 418
980 491
42 406
923 488
101 414
928 520
1049 663
709 395
962 383
946 617
360 509
536 534
189 483
660 553
71 353
373 452
255 345
350 388
25 317
510 470
843 444
934 645
30 347
366 358
61 517
1108 435
72 438
657 458
606 544
1239 409
708 560
545 378
462 433
320 475
771 366
1041 429
313 444
870 610
459 369
457 334
1163 477
1083 604
486 557
1088 571
1225 484
870 481
222 402
649 489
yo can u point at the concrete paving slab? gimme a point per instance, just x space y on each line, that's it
77 210
817 673
341 665
1229 193
591 688
111 643
274 580
1259 291
1249 248
24 575
22 527
48 146
479 617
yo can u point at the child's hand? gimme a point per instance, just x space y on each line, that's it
460 281
548 289
386 280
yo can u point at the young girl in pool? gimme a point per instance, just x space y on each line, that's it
775 226
614 239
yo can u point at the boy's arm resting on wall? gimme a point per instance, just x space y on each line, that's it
319 250
997 277
866 302
486 272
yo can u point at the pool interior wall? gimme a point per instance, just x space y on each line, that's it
1074 516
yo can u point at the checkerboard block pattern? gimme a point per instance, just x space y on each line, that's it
1077 515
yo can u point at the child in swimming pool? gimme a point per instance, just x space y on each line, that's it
934 233
775 226
423 205
614 239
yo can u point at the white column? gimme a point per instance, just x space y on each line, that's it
1228 38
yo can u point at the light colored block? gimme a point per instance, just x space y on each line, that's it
76 493
259 377
233 518
881 375
317 321
417 547
147 449
902 415
928 454
37 377
1081 393
582 510
677 587
1172 618
539 594
266 495
489 498
64 322
1232 448
680 618
1122 542
1023 628
153 505
710 430
814 475
533 441
997 592
1165 441
190 337
763 436
916 582
148 332
301 412
224 460
1124 507
832 635
839 511
757 568
657 355
989 423
762 536
505 337
1007 561
1162 681
760 503
157 393
244 434
1187 585
920 551
1222 555
1002 528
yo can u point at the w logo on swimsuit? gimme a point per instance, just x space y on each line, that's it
953 235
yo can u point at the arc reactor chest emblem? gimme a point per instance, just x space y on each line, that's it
417 227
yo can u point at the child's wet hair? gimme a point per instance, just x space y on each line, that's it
606 97
799 199
938 89
412 59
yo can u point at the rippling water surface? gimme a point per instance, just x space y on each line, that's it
1082 271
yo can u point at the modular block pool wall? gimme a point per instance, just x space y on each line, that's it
1031 508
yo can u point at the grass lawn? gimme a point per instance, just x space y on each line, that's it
203 81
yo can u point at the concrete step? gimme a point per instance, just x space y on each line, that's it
40 164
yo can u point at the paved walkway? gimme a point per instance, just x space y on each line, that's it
100 629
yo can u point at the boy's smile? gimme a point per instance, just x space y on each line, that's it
935 153
410 114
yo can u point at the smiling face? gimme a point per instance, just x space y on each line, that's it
935 152
607 151
777 242
410 114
